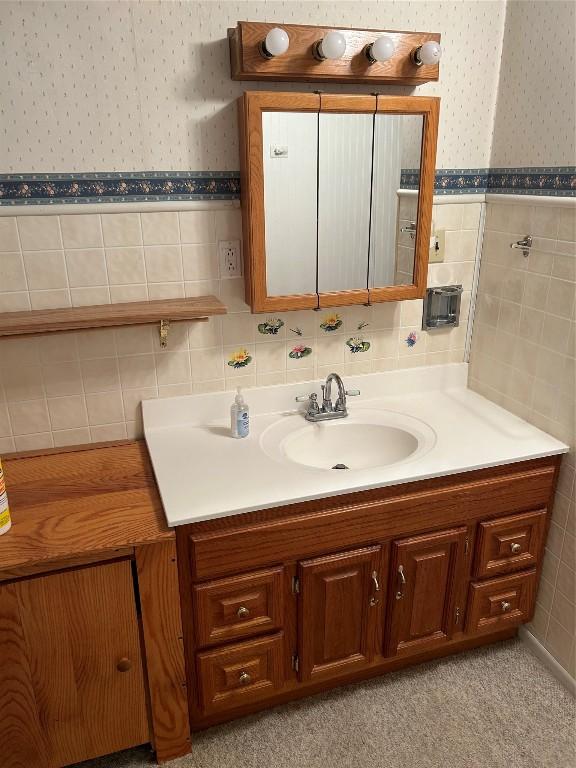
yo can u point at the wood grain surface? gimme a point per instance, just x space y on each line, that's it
80 660
108 315
68 505
162 624
299 64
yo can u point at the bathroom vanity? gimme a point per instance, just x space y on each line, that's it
295 577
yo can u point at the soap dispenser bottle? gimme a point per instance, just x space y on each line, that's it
239 416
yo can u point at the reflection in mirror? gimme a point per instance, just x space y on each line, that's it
397 150
345 164
290 163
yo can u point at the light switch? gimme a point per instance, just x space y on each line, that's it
437 247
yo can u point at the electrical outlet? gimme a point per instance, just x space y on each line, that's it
230 258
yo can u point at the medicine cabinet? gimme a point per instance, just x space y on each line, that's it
336 198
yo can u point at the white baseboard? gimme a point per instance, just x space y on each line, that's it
548 660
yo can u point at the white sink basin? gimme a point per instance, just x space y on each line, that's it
364 440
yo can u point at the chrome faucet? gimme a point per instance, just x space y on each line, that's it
329 410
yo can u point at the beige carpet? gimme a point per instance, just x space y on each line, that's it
496 707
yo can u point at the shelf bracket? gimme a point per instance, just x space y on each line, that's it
164 328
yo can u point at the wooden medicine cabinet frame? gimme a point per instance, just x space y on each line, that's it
251 107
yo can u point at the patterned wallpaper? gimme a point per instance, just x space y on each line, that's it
144 86
536 108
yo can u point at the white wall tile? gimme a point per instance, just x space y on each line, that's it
8 234
81 231
121 229
12 275
39 233
160 228
45 269
85 266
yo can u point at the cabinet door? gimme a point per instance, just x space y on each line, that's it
340 601
71 679
427 572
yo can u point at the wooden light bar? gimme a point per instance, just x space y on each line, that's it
299 63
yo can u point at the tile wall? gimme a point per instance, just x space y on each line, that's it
80 387
522 358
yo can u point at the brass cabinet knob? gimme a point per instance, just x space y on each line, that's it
505 606
243 612
515 548
244 678
124 665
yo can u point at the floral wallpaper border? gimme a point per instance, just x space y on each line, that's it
154 186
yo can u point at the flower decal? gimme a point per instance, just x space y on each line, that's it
331 322
299 351
240 359
356 344
411 339
361 325
297 331
271 326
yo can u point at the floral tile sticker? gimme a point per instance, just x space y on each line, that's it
411 339
297 331
361 325
240 359
271 326
356 344
299 351
331 322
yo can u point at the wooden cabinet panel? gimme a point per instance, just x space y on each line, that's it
230 609
80 646
499 603
338 611
510 543
424 579
239 674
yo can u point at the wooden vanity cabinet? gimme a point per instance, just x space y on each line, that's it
74 638
344 588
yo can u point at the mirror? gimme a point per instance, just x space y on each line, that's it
397 156
336 198
290 141
344 171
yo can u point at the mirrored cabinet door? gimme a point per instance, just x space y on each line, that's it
290 157
336 198
397 156
344 192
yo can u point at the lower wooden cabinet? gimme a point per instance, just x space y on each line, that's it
288 601
426 585
239 674
71 674
338 608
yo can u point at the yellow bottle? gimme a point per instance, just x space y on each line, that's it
5 522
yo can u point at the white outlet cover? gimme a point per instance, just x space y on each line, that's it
229 256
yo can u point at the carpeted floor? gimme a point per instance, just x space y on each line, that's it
496 707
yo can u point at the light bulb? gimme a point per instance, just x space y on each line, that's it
332 46
381 49
275 43
428 53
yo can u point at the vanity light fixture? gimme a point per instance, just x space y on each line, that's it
428 53
332 46
274 44
381 49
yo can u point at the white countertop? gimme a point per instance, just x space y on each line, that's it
204 473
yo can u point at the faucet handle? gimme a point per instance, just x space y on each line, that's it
303 398
352 392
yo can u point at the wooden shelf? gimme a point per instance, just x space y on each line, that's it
109 315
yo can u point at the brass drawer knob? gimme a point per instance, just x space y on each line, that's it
515 548
124 665
243 612
505 606
244 678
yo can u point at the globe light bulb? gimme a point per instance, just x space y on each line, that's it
275 43
332 46
429 53
381 49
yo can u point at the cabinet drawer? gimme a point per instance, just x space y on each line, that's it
237 674
510 543
230 609
499 603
